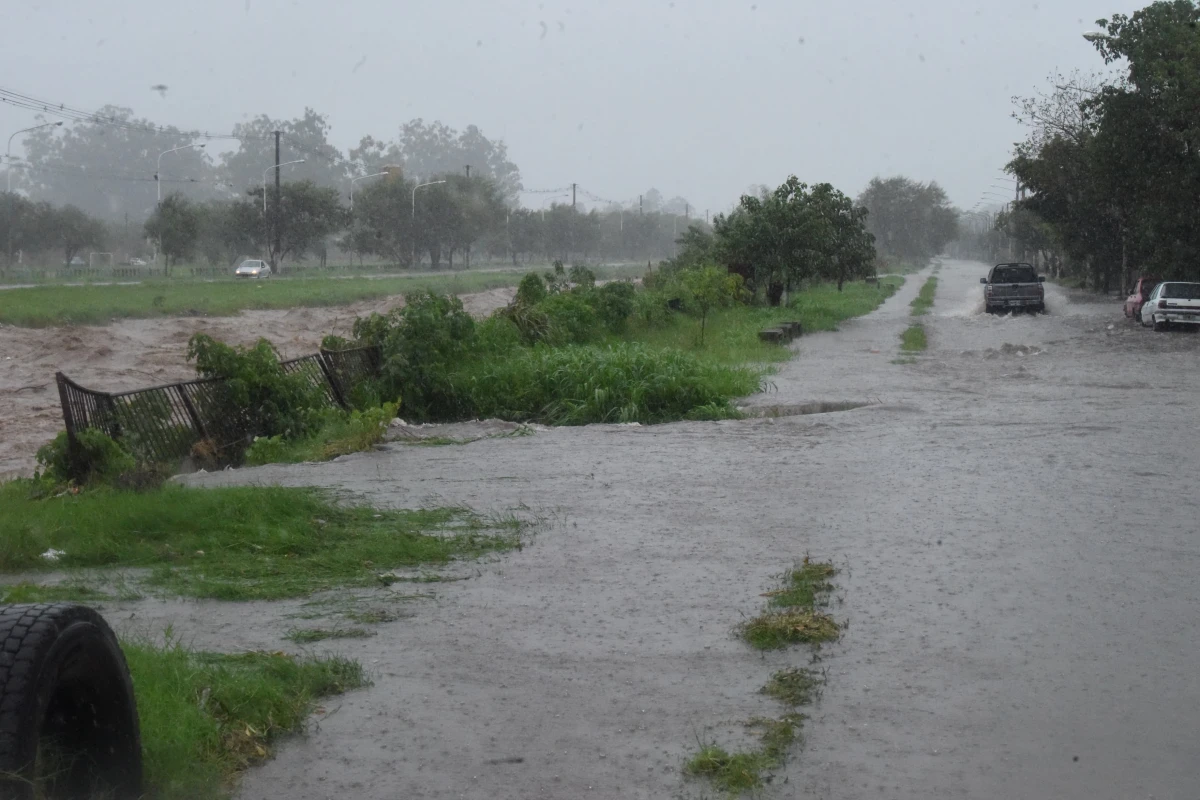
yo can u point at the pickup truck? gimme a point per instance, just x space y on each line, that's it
1013 287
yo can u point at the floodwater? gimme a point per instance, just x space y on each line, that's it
1014 517
137 353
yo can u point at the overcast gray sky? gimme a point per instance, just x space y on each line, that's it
699 98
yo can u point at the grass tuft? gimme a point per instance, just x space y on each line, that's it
310 635
913 339
206 717
794 687
239 543
791 616
731 772
924 299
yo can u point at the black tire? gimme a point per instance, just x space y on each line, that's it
1159 326
65 690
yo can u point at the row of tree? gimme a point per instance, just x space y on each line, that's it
1110 166
30 227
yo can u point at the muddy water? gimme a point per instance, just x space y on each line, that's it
132 354
1016 527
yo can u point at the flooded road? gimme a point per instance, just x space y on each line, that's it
1015 518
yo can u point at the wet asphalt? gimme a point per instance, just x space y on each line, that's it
1015 517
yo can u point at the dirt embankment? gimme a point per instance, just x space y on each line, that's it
131 354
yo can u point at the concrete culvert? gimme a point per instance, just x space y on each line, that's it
68 718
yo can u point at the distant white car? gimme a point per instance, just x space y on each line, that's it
137 262
1172 303
253 268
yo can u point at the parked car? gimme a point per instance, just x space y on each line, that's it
137 262
1013 287
253 268
1172 303
1141 293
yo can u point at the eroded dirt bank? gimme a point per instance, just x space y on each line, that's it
1019 578
131 354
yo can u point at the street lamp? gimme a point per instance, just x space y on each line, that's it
1095 36
268 169
12 209
158 167
361 178
8 150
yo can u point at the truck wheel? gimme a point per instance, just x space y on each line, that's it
68 719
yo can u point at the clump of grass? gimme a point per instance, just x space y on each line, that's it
310 635
913 339
791 616
924 299
206 717
26 592
794 687
373 616
778 735
731 772
239 543
582 384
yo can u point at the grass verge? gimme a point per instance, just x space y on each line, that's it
731 335
791 615
913 339
238 543
206 717
310 635
42 306
924 299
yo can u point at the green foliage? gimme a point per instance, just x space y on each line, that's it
709 287
650 308
205 717
577 385
570 319
95 458
243 543
913 340
175 225
730 772
791 616
911 220
531 290
341 434
421 342
258 389
924 299
614 303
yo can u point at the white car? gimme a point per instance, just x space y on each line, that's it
253 268
1172 303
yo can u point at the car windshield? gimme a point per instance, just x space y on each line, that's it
1181 291
1014 275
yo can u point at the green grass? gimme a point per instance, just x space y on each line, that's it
913 339
791 615
793 687
903 267
731 335
206 717
731 772
582 384
65 305
924 299
310 635
71 591
238 543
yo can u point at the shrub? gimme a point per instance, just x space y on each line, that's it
96 458
576 385
614 302
582 277
420 343
650 308
497 335
570 318
260 392
531 290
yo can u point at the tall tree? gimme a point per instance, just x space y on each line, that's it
303 217
74 230
306 137
909 220
175 225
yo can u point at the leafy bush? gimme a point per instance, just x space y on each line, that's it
96 458
531 290
260 392
650 308
341 434
614 302
497 335
420 344
576 385
570 318
582 277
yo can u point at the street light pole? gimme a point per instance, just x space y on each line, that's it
361 178
12 207
158 168
264 182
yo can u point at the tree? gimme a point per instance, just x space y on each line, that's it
909 220
306 137
106 167
709 287
175 225
846 247
74 230
382 222
428 149
306 215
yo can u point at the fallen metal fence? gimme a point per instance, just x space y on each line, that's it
165 423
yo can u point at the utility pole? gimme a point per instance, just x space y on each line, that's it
278 200
572 197
686 212
639 204
468 172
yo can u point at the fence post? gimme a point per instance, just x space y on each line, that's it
68 414
191 410
334 385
